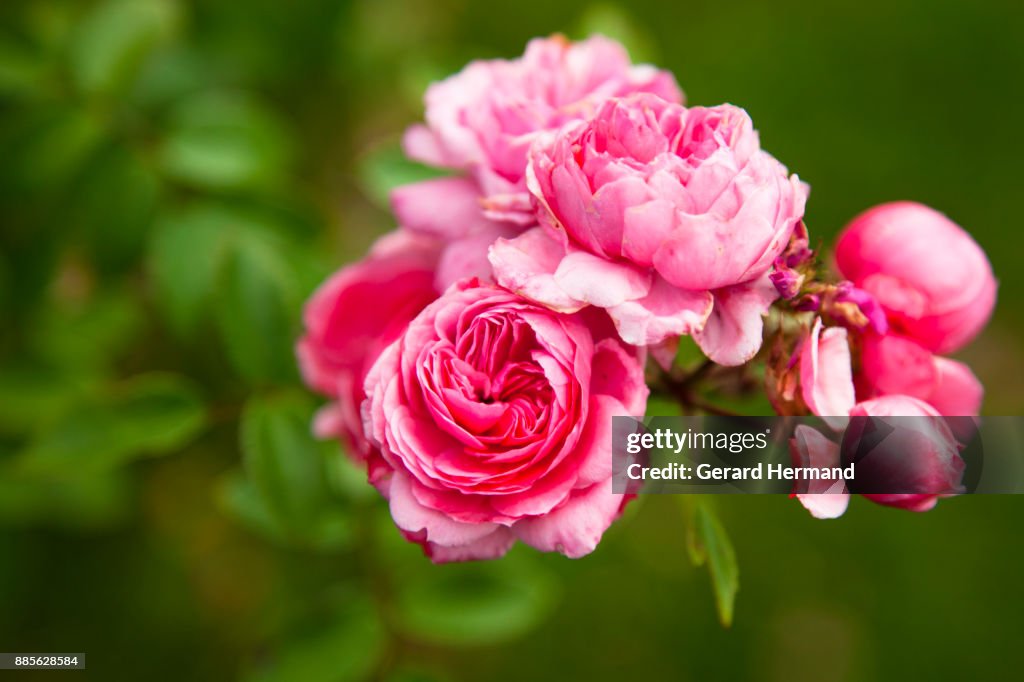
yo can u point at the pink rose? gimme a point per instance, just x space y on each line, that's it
914 462
913 465
493 416
352 317
483 119
933 280
669 218
893 364
449 209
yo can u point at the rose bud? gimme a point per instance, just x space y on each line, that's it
669 218
933 280
493 417
905 453
892 364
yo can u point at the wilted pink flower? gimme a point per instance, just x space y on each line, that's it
483 119
669 218
933 280
493 415
352 317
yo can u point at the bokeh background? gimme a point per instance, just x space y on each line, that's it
175 178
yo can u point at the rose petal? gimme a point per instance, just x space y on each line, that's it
600 282
824 498
575 528
527 265
826 376
442 207
665 312
732 334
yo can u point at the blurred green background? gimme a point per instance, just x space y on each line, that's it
175 178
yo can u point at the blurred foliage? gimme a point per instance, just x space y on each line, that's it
177 177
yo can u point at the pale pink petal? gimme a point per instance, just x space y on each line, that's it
467 256
824 498
413 517
665 312
442 207
493 546
329 422
957 391
575 528
601 282
527 265
826 375
421 144
732 335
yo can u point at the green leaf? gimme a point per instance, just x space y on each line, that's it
47 147
348 648
169 75
474 603
79 502
113 39
115 231
152 414
285 493
32 395
330 531
258 308
186 256
21 69
386 167
90 335
707 542
224 141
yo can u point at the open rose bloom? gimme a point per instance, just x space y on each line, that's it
669 218
473 361
494 417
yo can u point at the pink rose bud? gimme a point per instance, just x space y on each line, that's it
932 279
905 453
893 364
483 119
352 317
494 416
669 218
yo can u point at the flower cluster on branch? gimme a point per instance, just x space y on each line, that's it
474 359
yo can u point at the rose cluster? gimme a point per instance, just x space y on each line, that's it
474 359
